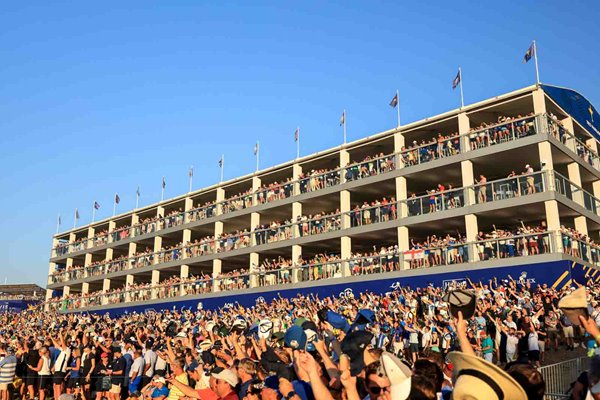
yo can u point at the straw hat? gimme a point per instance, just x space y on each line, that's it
399 375
574 305
479 379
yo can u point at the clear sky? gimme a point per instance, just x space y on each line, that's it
97 98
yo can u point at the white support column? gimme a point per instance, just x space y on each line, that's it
464 127
539 101
85 288
112 225
401 196
346 253
567 123
345 208
399 144
546 164
296 172
472 229
296 215
90 236
217 265
253 267
468 180
403 245
575 177
296 254
218 233
155 280
184 273
553 223
220 197
344 160
128 283
254 223
105 289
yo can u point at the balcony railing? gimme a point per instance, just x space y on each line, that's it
486 137
577 146
498 245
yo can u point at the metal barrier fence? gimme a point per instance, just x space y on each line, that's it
560 376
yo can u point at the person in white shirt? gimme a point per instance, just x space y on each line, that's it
150 358
512 345
136 372
534 346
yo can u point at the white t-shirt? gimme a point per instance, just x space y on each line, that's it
62 361
532 341
511 344
137 367
150 359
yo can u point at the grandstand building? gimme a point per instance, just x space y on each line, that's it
509 186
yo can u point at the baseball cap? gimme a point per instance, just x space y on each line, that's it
228 376
353 346
295 338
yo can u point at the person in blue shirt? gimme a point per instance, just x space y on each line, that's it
156 389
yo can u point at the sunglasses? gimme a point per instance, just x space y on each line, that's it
377 389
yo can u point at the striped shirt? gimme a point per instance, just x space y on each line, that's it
8 365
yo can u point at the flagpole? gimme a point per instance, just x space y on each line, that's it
75 220
222 166
398 108
137 198
93 211
58 224
115 205
162 190
298 143
191 174
462 99
537 71
257 154
344 126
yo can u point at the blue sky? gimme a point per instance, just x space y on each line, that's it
98 98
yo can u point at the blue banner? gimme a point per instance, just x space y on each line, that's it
16 305
556 274
577 106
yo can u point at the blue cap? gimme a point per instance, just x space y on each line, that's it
295 338
337 321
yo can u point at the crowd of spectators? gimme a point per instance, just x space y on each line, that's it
371 213
409 343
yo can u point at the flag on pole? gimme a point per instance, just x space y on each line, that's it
191 172
394 102
117 199
137 192
59 220
343 118
456 80
529 53
76 214
164 184
297 134
256 148
96 205
221 161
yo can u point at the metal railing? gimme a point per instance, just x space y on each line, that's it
560 376
568 139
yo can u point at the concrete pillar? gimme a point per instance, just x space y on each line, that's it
345 208
254 222
218 233
184 273
539 101
296 172
401 196
255 187
468 180
596 189
158 244
187 238
472 229
90 236
69 263
131 252
252 268
344 160
553 224
403 245
88 259
105 289
296 214
593 145
85 288
464 126
66 291
111 227
155 280
399 143
567 123
128 283
346 253
546 164
575 177
296 254
581 224
220 197
217 265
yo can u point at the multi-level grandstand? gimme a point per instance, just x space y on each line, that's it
506 186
